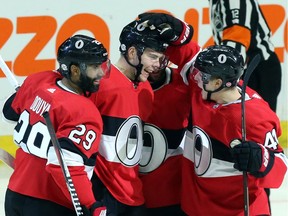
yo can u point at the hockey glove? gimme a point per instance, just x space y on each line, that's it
172 30
97 209
253 158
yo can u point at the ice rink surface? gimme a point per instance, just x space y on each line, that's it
279 197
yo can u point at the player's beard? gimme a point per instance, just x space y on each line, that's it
87 84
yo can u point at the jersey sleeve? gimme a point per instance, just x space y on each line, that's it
83 186
80 168
8 112
271 131
264 128
79 133
184 57
276 175
236 25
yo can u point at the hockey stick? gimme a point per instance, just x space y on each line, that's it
10 76
253 64
7 158
63 165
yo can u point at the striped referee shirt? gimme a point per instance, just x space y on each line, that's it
241 24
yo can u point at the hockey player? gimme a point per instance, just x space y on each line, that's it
160 165
163 133
124 101
242 25
117 166
208 164
37 185
212 169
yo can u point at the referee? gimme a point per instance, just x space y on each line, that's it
241 24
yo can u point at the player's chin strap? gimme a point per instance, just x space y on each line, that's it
227 84
210 92
138 72
137 67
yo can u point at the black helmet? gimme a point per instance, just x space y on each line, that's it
80 49
220 61
141 36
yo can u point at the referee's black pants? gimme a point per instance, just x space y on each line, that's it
266 80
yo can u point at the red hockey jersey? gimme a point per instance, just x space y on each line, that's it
75 118
161 159
123 107
211 186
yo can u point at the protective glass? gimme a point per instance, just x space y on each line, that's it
163 61
205 77
106 67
